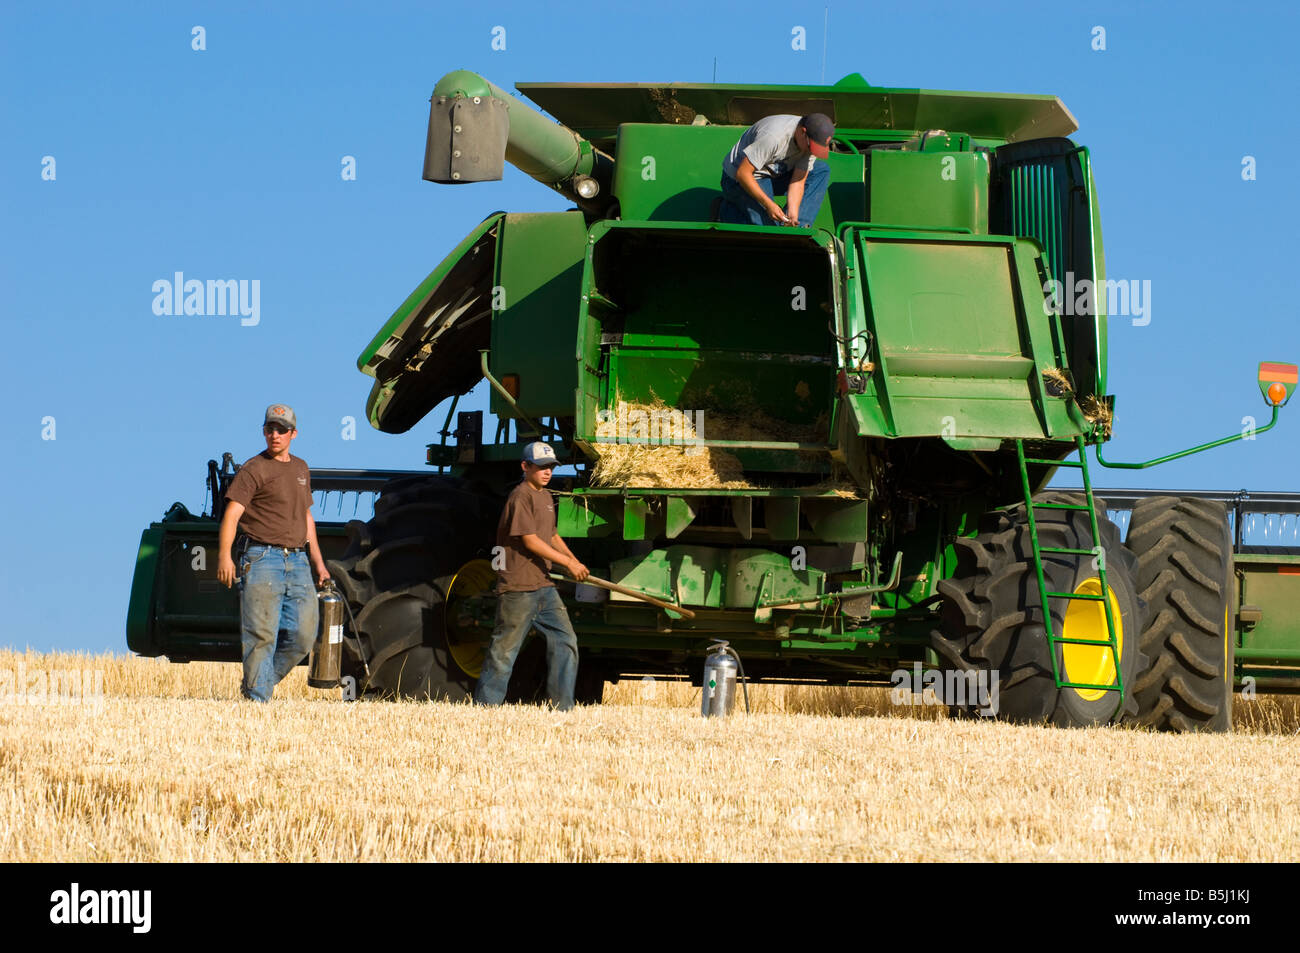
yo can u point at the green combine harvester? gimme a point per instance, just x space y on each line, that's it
829 444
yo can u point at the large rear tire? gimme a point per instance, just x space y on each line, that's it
1186 575
992 617
395 574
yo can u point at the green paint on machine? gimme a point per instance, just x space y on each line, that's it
887 383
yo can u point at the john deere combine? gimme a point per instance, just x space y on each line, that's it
830 444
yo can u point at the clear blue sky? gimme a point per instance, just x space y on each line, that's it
226 163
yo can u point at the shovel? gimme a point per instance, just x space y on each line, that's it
615 587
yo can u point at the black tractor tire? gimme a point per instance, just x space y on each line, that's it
991 619
1187 577
590 687
394 575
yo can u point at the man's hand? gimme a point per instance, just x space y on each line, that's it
314 553
226 539
557 552
745 177
794 195
225 570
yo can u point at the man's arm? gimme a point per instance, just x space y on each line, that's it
534 544
794 194
745 176
313 551
225 540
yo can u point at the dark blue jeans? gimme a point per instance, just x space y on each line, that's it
740 208
517 612
277 614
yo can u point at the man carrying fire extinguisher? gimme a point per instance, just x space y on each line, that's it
270 501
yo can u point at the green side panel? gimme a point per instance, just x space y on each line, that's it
541 258
140 610
679 513
923 557
930 189
177 607
588 516
742 515
757 576
932 141
962 337
640 521
428 350
693 575
708 577
597 109
837 520
1271 582
649 513
673 173
782 517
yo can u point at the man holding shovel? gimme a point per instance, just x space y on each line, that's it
527 597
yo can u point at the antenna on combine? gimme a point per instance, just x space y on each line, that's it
715 69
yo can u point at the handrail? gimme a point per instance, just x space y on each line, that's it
1186 453
505 395
884 226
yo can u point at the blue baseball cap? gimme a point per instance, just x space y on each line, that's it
820 129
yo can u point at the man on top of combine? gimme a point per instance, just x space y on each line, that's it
777 156
270 501
528 598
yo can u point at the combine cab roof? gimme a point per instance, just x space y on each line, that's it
595 110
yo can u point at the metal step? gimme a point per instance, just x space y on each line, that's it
1045 595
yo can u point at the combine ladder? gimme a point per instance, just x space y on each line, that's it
1053 640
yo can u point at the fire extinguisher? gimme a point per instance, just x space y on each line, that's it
327 654
720 668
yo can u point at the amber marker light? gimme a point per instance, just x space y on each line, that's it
1277 381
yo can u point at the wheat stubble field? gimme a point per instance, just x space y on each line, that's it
172 766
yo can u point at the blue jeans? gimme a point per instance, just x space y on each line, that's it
277 616
740 208
517 612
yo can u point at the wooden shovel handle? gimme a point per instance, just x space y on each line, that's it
615 587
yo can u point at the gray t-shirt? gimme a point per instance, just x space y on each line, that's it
769 145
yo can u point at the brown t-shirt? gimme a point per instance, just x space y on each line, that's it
276 497
528 510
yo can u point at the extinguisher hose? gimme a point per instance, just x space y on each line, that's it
356 634
744 688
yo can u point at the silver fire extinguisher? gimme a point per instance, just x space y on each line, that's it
720 668
327 654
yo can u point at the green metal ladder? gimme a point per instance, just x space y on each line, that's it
1053 640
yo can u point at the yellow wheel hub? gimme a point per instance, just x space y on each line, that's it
466 634
1086 619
